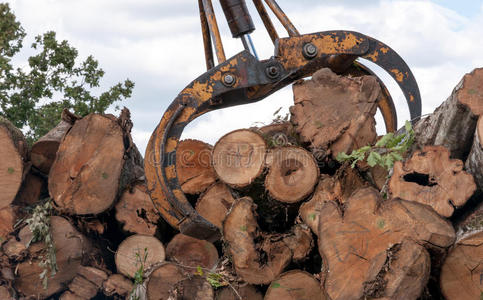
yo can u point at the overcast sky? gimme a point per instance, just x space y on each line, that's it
158 45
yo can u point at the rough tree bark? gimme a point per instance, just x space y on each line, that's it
95 161
474 163
239 157
335 114
136 250
70 248
379 243
453 123
292 175
432 178
136 211
193 166
191 252
44 150
295 285
214 204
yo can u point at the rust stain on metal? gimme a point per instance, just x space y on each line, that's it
384 50
171 172
373 56
411 98
171 144
398 75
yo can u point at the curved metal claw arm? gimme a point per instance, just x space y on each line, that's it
243 79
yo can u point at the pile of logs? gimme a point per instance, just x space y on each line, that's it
295 222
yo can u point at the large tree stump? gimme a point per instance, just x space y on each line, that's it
214 204
70 248
94 164
292 175
136 211
192 253
462 271
295 285
432 178
474 162
453 123
13 150
162 280
254 263
193 166
334 113
239 157
136 250
45 149
379 243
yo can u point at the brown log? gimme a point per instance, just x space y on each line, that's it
213 205
15 250
162 280
279 134
70 248
130 254
245 292
453 123
330 188
474 162
8 218
44 150
32 189
300 241
82 288
462 271
117 284
196 287
93 165
191 252
379 242
239 157
432 178
68 295
240 230
193 166
6 293
13 150
295 285
292 175
135 210
335 114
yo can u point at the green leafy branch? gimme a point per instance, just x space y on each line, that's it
215 279
389 149
139 275
39 224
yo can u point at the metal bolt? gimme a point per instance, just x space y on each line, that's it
228 80
309 51
272 72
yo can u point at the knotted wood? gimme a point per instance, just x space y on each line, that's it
430 177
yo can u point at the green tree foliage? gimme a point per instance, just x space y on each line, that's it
33 97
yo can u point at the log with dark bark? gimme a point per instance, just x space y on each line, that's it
432 178
94 164
192 253
462 271
334 113
241 233
295 285
135 210
44 150
193 166
13 150
474 162
70 248
213 205
379 242
196 287
245 292
136 250
162 280
33 188
330 188
117 285
239 157
453 123
292 175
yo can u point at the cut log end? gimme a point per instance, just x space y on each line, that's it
191 252
248 292
162 280
293 173
432 178
136 250
193 166
295 285
239 157
214 204
118 285
196 287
